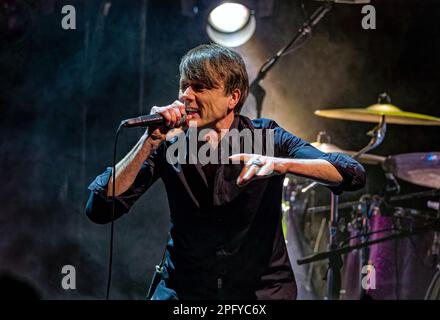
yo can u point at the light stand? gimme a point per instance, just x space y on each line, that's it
306 30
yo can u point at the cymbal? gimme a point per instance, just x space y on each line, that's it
419 168
365 158
374 113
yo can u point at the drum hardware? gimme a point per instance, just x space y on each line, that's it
369 206
315 250
373 204
366 158
419 168
366 213
398 212
383 112
323 143
377 135
370 233
326 208
392 186
415 195
335 262
436 241
296 229
410 213
359 228
349 204
357 222
309 187
433 292
376 112
346 249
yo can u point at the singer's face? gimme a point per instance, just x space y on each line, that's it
212 104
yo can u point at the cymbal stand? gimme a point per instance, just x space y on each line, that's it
377 136
335 261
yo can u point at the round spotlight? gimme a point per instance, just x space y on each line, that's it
231 24
229 17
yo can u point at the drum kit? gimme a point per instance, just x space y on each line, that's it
374 249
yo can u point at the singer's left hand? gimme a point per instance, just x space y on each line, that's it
258 166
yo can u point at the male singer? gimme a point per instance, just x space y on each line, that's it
225 238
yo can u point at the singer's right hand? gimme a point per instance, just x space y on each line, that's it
172 114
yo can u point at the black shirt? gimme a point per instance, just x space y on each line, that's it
225 242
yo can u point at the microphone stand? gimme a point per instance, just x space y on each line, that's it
334 261
377 136
331 254
306 29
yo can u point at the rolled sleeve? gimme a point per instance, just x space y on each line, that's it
99 206
352 172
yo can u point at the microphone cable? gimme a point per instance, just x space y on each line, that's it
112 227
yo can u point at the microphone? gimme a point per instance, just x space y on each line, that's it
151 120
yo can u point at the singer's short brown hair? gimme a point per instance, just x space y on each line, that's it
210 64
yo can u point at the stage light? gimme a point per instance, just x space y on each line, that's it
229 17
231 24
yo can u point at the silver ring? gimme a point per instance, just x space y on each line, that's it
256 162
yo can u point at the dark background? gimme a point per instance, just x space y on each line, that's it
63 93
